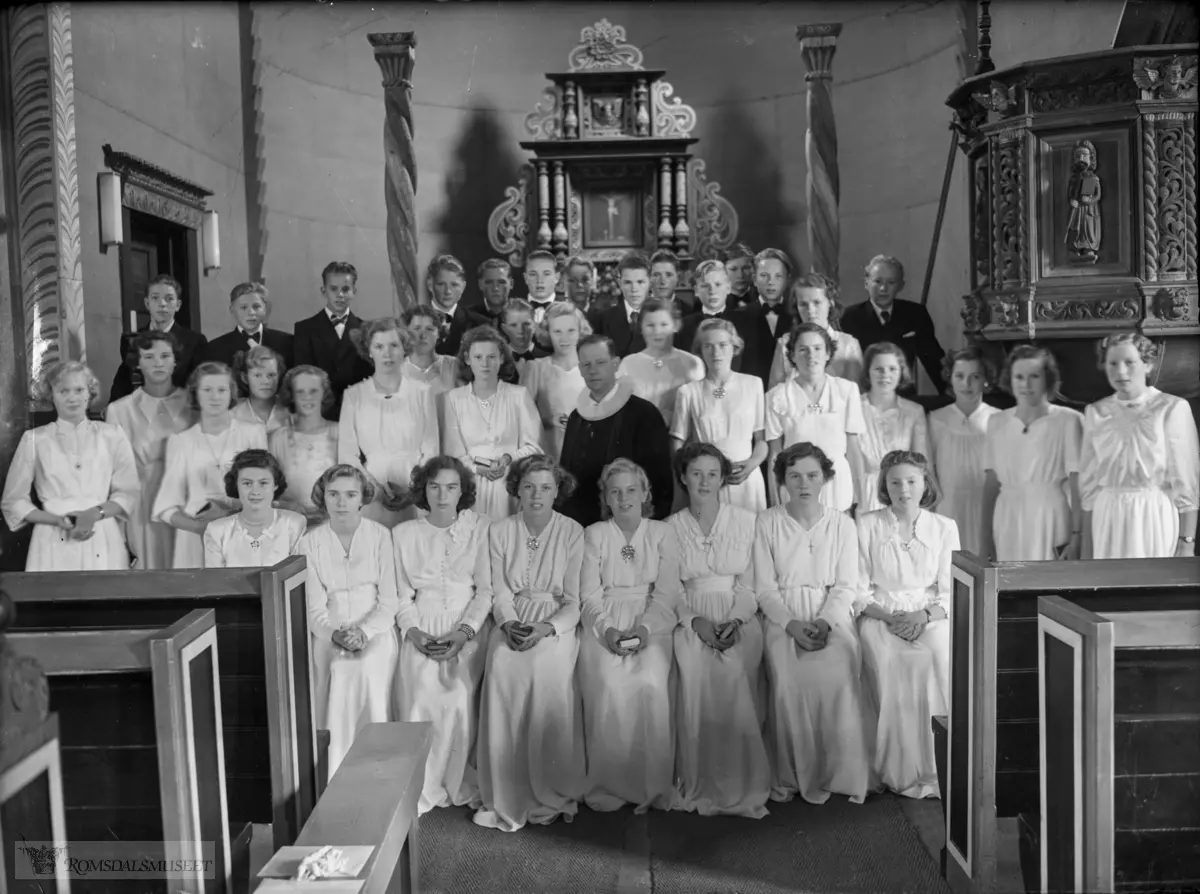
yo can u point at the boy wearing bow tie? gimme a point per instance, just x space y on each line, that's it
516 325
323 340
249 307
763 320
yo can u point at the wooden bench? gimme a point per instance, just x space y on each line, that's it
271 745
992 764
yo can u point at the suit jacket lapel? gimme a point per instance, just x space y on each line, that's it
344 345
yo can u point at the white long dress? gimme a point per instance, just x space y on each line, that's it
900 428
148 421
815 721
721 761
1138 469
304 456
957 444
729 424
836 414
441 375
627 711
658 380
276 419
72 468
195 475
387 435
1033 513
554 391
509 425
227 543
531 761
347 589
445 579
909 682
847 362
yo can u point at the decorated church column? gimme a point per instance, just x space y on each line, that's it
817 45
395 52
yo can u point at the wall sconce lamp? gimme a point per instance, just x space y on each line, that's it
111 211
212 241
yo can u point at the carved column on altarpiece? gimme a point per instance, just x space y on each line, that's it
396 54
40 61
817 45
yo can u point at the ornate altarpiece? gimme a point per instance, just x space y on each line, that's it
612 168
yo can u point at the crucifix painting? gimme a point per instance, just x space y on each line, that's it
612 218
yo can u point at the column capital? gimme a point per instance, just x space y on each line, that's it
817 46
395 51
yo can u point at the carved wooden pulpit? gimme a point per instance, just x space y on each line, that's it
612 168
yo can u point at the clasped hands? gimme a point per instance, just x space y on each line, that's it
613 637
717 636
352 639
79 525
908 625
522 637
439 648
395 497
811 636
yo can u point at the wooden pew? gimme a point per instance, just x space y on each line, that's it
271 744
992 773
372 800
1120 759
163 715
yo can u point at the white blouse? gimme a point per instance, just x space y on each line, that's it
899 576
339 580
443 561
549 570
658 381
386 435
718 560
900 428
228 544
650 566
1044 455
728 422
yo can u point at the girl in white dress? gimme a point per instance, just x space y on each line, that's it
725 409
806 577
259 535
490 423
84 475
445 580
1031 506
721 762
555 382
308 444
531 763
1138 469
815 300
905 581
957 441
260 371
658 371
892 422
819 408
148 417
352 605
389 422
192 492
629 588
437 371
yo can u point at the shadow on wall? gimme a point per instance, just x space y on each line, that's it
482 165
748 169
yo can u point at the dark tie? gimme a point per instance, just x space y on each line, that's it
255 339
444 321
634 318
527 355
886 316
338 321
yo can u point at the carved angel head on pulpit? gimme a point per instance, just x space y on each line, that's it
606 111
1173 78
999 98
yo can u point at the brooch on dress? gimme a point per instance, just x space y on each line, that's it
658 363
254 544
532 544
628 553
719 392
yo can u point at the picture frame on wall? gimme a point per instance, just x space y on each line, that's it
612 217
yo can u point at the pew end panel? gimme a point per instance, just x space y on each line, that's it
31 809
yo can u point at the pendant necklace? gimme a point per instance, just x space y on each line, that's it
217 454
906 545
719 391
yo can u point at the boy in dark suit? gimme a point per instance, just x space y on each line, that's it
249 307
712 289
446 278
622 324
323 340
664 279
162 301
885 317
541 276
739 264
768 317
495 287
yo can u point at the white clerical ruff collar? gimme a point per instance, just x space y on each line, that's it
608 405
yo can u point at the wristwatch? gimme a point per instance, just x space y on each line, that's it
928 615
103 514
466 628
1186 539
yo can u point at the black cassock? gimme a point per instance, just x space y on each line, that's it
635 432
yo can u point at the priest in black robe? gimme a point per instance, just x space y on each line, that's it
610 422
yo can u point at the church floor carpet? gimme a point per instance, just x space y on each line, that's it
837 847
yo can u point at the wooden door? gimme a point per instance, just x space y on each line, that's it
156 246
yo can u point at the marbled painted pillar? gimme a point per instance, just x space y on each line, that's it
396 54
817 45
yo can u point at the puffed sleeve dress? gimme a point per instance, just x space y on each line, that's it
227 543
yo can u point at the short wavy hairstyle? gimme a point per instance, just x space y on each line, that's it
145 341
334 268
882 348
970 354
486 335
338 472
737 252
826 284
250 288
539 462
775 254
633 260
255 459
420 311
931 494
56 372
517 306
494 264
1146 348
428 470
717 324
801 328
704 268
288 398
444 262
1033 352
617 467
665 256
541 333
798 451
657 305
890 261
259 355
598 338
361 338
692 451
211 368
